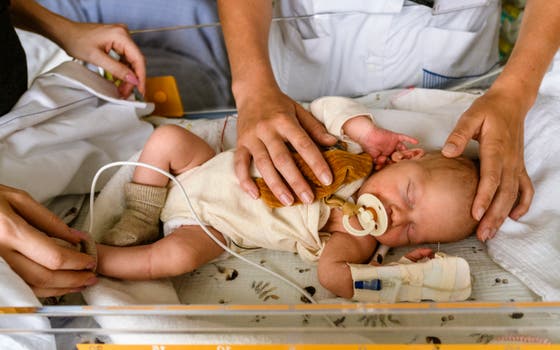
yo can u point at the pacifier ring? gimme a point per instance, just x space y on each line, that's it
371 216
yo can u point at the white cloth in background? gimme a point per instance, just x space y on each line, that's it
67 125
64 128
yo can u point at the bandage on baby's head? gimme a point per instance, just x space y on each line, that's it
371 216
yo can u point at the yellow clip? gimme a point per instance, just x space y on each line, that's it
163 92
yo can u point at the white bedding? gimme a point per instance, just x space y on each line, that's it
42 54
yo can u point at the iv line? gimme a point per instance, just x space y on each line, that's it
203 226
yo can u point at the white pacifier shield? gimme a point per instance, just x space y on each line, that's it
366 218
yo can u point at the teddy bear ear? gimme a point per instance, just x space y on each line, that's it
413 153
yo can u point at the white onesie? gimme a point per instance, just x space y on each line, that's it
220 202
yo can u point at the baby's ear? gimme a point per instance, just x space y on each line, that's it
413 153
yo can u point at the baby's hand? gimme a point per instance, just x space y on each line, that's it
381 143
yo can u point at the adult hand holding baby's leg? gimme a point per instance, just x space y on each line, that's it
25 244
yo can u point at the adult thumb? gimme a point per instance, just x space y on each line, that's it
458 139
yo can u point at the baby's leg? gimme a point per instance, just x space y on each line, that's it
184 250
170 148
173 149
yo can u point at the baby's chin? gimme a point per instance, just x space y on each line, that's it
392 243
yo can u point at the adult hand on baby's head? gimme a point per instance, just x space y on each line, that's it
25 227
269 120
496 121
92 42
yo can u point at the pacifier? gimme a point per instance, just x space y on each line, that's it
371 216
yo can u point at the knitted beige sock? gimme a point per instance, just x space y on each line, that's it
139 223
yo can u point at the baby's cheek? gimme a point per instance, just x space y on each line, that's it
392 238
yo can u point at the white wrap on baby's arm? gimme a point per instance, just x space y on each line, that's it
334 111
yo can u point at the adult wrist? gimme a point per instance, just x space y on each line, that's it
244 89
517 91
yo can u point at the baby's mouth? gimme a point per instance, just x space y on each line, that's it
371 215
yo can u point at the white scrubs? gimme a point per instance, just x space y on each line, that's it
354 47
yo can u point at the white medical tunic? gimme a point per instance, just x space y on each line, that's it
354 47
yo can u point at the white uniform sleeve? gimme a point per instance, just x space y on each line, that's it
334 111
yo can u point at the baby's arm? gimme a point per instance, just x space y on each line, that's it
378 142
352 121
341 249
182 251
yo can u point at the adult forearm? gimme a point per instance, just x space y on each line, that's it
538 41
29 15
246 26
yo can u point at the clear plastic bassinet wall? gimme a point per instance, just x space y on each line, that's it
473 323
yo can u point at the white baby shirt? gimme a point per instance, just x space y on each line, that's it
220 202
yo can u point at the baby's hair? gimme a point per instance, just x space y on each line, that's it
465 175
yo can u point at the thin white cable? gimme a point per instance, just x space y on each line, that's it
218 24
203 226
471 82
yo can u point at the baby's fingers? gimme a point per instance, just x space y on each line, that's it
408 139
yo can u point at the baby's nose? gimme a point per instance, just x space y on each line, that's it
396 215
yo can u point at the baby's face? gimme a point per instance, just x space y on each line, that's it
423 205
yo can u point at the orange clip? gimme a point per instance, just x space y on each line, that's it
163 92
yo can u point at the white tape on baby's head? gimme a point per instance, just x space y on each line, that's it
371 216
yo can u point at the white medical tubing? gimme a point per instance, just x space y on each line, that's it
203 226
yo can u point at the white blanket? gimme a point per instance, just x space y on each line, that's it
67 125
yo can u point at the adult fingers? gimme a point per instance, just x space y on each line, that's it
44 251
526 193
267 169
131 67
491 177
314 127
493 192
36 215
291 174
467 128
46 282
136 60
309 152
125 89
133 57
242 161
120 71
54 292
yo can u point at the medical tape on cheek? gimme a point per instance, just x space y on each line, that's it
372 284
